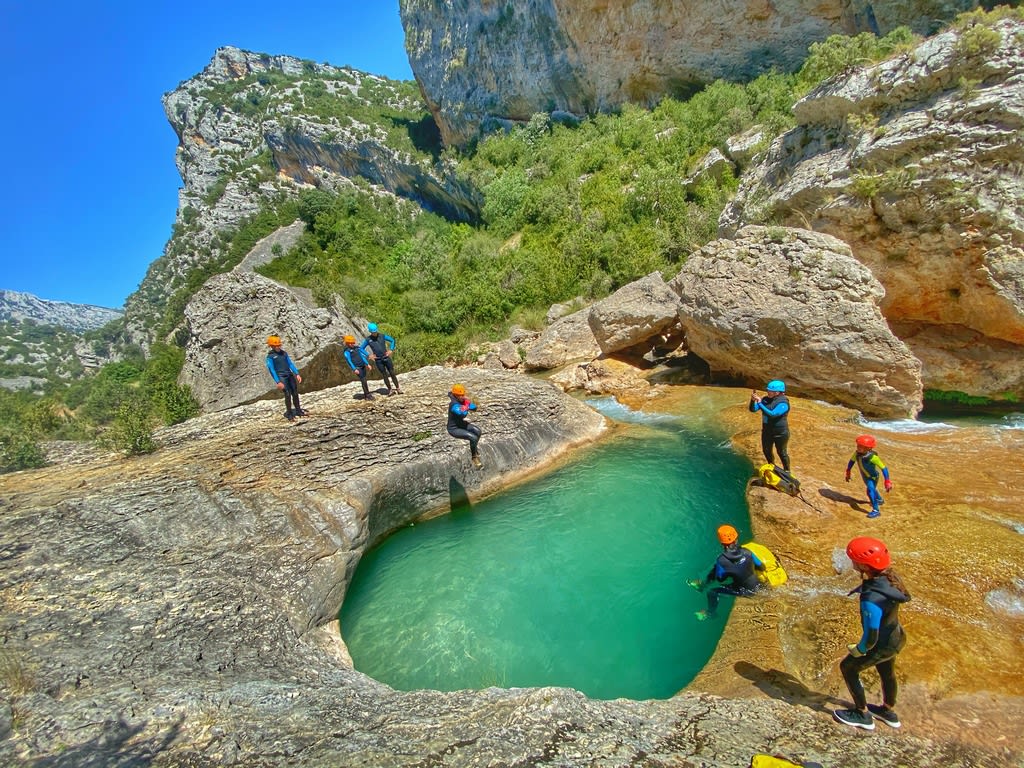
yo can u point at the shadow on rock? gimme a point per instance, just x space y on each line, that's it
842 498
458 499
118 746
783 686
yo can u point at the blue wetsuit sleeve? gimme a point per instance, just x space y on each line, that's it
390 340
273 373
850 463
752 406
871 620
348 358
877 461
459 409
757 561
718 571
778 410
291 365
364 345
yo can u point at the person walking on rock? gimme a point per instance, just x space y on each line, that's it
381 347
286 377
870 465
881 595
737 565
459 407
358 362
774 408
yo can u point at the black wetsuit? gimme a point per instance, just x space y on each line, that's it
739 566
283 371
379 344
774 426
883 639
458 427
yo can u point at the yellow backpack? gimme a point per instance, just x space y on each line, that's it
774 575
767 761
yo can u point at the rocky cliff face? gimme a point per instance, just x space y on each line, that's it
254 128
918 165
18 306
506 60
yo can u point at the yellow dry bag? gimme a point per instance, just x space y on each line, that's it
774 575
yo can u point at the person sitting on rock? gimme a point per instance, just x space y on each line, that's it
459 407
870 464
381 348
357 361
774 408
737 565
286 377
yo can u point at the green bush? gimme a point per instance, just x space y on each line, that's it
132 429
19 450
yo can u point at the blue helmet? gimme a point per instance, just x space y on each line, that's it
371 327
776 386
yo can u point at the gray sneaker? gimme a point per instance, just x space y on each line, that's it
856 718
886 715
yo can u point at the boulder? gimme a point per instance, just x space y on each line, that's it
793 304
228 321
633 314
917 164
567 339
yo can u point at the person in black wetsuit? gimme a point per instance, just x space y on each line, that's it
737 565
381 347
881 594
459 407
357 361
774 408
286 377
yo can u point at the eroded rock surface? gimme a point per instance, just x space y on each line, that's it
178 608
793 304
480 62
918 164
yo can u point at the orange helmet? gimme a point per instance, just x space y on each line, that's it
870 552
727 534
350 339
459 390
866 441
274 341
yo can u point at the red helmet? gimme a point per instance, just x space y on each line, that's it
866 441
869 552
727 534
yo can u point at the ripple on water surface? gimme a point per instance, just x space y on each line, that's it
575 579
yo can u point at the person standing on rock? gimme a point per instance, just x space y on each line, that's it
774 408
381 348
737 565
881 594
358 362
286 377
870 465
459 407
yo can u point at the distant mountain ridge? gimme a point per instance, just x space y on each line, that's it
17 306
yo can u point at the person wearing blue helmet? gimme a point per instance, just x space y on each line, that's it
381 347
774 408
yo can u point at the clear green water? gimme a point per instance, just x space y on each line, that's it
576 579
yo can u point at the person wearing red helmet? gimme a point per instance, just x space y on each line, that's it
881 594
737 565
870 466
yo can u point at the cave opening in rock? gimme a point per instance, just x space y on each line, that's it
575 579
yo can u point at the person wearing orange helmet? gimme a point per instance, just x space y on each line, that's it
358 362
459 407
881 595
286 377
737 565
870 465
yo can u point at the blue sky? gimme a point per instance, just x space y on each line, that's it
90 188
